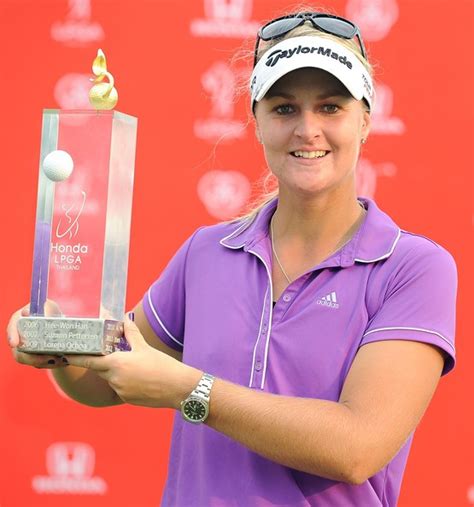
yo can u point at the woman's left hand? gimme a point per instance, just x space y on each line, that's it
144 376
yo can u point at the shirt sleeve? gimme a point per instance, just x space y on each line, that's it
164 303
420 303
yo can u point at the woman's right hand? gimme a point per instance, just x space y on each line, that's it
14 340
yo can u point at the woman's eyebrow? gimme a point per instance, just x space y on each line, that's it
324 95
334 93
277 93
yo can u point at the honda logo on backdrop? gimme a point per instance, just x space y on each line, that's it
77 29
70 467
226 18
470 494
72 91
368 173
237 10
223 193
382 120
219 81
374 17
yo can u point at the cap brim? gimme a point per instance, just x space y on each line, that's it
353 89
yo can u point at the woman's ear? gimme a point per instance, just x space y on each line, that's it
258 135
366 125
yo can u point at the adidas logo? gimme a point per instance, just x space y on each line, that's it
329 300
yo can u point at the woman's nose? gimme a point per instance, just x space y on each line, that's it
308 125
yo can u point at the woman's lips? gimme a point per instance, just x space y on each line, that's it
309 155
309 158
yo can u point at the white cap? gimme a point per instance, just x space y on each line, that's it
311 51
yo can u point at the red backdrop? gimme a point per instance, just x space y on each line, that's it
196 161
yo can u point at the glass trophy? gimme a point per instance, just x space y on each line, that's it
82 231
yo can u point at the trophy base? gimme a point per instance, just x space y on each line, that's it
66 335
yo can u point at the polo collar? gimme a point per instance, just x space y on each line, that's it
375 239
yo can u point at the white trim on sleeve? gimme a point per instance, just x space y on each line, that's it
159 320
405 328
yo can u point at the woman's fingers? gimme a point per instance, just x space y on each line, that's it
51 309
40 360
35 360
132 333
12 331
25 311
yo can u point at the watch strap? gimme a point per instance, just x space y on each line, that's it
203 389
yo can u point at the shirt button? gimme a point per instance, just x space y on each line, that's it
286 298
258 365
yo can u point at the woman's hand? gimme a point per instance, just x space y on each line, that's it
14 340
144 376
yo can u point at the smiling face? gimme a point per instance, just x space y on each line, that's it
311 129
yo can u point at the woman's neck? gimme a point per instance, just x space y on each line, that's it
323 220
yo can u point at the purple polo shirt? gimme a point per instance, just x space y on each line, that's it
214 303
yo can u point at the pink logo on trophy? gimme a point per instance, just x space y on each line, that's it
68 225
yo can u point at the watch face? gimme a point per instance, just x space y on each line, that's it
194 410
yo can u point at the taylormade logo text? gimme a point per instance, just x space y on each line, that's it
275 56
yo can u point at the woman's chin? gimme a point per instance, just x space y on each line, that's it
306 187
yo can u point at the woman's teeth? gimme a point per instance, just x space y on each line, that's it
310 154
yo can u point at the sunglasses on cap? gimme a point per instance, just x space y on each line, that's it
328 23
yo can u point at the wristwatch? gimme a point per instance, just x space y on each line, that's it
195 408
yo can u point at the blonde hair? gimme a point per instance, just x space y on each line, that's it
269 183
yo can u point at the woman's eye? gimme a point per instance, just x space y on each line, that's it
330 108
284 109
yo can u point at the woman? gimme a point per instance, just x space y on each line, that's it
299 340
